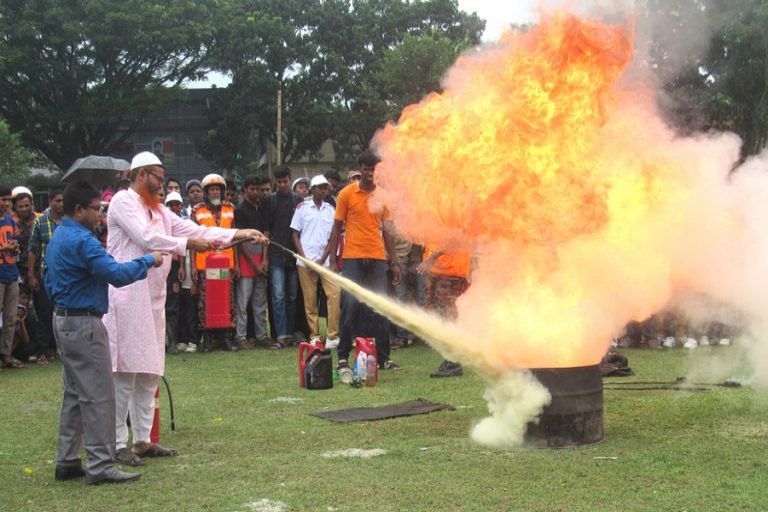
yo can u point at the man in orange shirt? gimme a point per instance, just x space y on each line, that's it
447 278
368 247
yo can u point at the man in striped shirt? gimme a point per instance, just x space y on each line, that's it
38 243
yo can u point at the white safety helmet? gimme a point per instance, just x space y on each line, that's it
214 179
144 159
318 180
173 196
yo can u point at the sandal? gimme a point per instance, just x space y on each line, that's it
155 450
14 364
127 457
277 345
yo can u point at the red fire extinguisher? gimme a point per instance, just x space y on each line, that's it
217 283
154 434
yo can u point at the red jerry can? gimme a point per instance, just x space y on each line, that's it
217 286
305 351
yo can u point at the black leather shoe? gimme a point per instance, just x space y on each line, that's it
64 473
118 477
448 370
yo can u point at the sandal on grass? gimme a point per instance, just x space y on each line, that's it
277 345
12 363
155 450
127 457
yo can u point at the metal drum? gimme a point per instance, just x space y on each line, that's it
575 416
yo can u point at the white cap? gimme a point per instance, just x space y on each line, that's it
144 159
173 196
318 180
20 190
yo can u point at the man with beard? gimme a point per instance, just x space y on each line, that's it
136 318
38 243
213 212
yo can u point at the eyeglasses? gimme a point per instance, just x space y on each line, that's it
158 178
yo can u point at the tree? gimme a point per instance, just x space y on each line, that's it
15 159
339 66
77 77
723 85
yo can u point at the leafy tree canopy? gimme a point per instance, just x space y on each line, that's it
15 159
723 83
344 69
77 76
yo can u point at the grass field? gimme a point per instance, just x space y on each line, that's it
247 443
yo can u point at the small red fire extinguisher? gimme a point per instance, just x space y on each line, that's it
217 283
154 434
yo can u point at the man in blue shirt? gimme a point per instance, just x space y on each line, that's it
9 278
78 271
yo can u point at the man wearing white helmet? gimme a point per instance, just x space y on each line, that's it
138 223
214 211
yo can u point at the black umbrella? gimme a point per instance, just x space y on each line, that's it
99 170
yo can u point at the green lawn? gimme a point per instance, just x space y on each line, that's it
243 450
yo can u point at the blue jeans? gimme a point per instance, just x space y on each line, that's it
357 319
284 289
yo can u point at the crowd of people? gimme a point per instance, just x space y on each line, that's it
152 244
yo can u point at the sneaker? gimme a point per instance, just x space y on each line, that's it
341 365
332 343
191 348
390 365
32 359
669 342
690 343
448 370
724 342
398 343
181 346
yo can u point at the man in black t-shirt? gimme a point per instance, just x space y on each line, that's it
282 266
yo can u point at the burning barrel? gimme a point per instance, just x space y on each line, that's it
575 415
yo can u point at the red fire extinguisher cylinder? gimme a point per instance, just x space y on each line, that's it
217 286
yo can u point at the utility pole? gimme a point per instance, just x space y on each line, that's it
279 158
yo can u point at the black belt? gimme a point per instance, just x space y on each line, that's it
75 312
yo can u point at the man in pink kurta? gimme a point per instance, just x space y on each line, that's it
136 318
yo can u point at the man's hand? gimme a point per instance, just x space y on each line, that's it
199 244
33 283
395 273
181 274
264 268
333 266
254 234
235 273
426 265
158 257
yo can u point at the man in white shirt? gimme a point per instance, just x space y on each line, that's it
311 224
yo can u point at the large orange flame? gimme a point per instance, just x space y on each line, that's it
519 160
